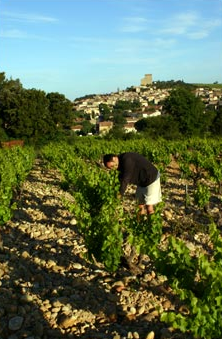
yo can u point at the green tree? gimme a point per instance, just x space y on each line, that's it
35 114
217 124
30 119
87 127
187 110
25 113
136 105
161 126
119 119
11 92
2 80
104 111
117 132
31 114
3 135
60 109
126 105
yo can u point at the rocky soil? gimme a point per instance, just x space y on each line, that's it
49 290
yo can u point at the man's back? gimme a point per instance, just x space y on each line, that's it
135 169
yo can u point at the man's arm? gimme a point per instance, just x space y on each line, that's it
126 173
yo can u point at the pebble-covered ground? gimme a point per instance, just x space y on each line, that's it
49 290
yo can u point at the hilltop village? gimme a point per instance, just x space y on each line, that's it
147 94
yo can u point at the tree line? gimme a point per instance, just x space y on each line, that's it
31 114
37 117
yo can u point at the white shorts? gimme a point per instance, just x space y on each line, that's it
149 195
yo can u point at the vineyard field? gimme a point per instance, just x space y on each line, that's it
76 264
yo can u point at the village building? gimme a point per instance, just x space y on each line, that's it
103 127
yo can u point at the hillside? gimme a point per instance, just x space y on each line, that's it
49 290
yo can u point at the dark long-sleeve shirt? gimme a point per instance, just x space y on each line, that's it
135 169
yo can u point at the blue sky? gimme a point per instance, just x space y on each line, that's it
81 47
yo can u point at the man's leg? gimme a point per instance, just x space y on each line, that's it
149 209
142 209
146 209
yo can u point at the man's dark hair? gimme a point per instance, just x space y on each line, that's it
108 158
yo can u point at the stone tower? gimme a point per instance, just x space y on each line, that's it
147 80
